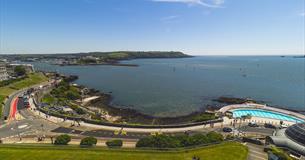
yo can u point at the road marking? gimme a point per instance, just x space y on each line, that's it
22 126
13 106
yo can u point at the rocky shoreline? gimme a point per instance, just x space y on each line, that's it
233 100
133 116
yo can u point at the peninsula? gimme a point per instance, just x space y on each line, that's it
95 58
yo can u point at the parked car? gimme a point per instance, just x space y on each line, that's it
283 126
252 140
227 129
253 124
268 125
26 103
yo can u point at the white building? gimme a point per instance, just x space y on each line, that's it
10 68
3 73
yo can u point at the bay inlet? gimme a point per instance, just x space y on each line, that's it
173 87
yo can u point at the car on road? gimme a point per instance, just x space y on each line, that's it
283 126
227 129
268 125
26 103
253 124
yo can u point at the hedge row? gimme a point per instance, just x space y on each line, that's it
166 141
87 141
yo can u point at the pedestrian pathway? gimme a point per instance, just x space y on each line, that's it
256 152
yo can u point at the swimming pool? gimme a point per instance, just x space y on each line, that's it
265 114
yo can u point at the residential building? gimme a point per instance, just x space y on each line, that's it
3 72
28 67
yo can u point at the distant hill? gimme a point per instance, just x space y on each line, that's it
95 58
136 54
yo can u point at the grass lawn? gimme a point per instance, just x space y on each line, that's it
225 151
32 79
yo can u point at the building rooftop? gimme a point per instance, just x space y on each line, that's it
292 138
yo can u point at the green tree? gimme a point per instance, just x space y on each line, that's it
72 95
165 141
62 139
159 141
19 70
88 141
114 143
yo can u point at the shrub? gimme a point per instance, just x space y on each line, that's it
88 141
159 141
62 139
114 143
165 141
280 153
230 136
80 111
214 137
72 95
204 117
144 142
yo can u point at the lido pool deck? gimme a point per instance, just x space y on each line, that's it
263 113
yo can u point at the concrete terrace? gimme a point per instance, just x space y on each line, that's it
263 107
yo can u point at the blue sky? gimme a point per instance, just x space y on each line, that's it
198 27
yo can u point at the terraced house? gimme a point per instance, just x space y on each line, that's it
3 72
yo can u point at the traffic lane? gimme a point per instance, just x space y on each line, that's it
256 152
261 130
7 106
37 122
21 105
245 129
25 126
13 111
14 128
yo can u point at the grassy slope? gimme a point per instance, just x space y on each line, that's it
226 151
33 79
